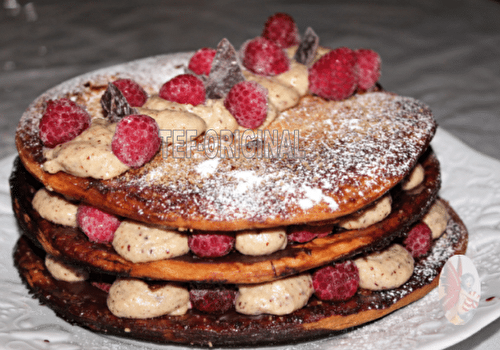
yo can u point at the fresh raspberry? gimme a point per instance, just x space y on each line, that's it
133 92
212 299
418 241
263 56
98 225
62 121
306 233
102 286
369 68
211 245
201 62
184 88
247 102
136 140
335 75
337 283
281 29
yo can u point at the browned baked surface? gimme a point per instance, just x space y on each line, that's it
71 244
353 152
84 305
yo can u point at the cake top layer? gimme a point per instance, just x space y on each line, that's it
317 161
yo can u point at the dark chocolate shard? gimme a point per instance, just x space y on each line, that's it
225 72
307 47
115 104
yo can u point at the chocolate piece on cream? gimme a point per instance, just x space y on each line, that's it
225 72
307 48
115 104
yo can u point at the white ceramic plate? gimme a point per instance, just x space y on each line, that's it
471 182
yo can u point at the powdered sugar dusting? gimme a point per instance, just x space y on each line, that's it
207 167
315 196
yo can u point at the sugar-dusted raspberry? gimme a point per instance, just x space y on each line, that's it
136 140
306 233
247 102
105 287
214 299
281 29
98 225
211 245
335 75
201 62
418 241
62 121
369 68
133 92
263 56
184 88
337 283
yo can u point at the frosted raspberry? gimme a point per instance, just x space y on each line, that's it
247 102
211 245
369 68
105 287
418 241
337 283
136 140
212 299
335 75
281 29
98 225
201 62
264 57
306 233
184 88
62 121
132 91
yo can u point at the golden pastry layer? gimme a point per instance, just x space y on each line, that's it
72 245
344 156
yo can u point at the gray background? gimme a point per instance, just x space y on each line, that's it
446 53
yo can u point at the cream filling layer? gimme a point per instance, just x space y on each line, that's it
280 297
55 208
64 272
261 242
415 178
387 269
437 218
141 243
87 155
367 217
132 298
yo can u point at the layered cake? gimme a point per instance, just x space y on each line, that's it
266 195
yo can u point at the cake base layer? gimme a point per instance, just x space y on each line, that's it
85 305
73 246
